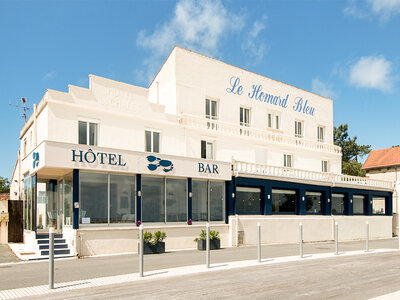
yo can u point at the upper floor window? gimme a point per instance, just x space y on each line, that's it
24 147
288 160
152 141
274 121
324 166
299 129
207 150
211 109
245 116
321 134
87 134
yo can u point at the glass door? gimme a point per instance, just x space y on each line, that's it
47 206
60 209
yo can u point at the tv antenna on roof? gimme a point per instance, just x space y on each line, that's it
23 106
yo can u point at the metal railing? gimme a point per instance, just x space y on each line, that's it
335 179
254 133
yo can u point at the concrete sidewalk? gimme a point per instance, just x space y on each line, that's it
19 275
6 255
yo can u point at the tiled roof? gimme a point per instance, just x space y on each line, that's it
4 196
383 158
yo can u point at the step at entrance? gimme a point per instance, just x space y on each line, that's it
60 245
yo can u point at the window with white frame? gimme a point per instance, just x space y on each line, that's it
324 166
87 133
274 120
24 147
207 150
299 128
152 141
288 160
211 109
321 133
244 116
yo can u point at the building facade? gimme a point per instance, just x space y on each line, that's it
206 142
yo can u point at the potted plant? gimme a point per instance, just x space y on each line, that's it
153 243
215 241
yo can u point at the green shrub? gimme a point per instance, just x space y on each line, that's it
153 239
214 235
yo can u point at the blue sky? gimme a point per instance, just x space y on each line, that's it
346 50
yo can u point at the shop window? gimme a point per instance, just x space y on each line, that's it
299 129
122 199
87 133
338 204
176 200
324 166
378 205
313 202
358 205
67 199
153 199
283 201
93 198
207 150
208 200
199 200
152 141
288 160
248 201
321 134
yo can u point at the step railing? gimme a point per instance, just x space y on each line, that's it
335 179
254 133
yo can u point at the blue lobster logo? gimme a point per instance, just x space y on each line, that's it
35 157
156 162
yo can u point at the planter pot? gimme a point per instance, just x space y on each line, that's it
214 244
153 249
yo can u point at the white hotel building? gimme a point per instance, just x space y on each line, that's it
206 141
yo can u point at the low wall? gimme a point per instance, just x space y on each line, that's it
285 229
108 240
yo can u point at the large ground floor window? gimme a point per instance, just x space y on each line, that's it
338 204
358 205
378 205
248 201
313 202
106 198
208 200
164 199
29 203
283 201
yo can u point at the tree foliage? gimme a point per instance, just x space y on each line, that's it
351 151
4 185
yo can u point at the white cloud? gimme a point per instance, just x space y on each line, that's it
49 75
196 25
384 9
253 44
372 72
321 88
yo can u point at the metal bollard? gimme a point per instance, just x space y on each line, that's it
301 239
367 238
141 250
51 258
336 238
208 245
259 241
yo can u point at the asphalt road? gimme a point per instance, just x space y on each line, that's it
36 273
346 277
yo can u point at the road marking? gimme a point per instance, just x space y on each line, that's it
166 273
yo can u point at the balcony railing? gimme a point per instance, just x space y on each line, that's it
333 179
262 135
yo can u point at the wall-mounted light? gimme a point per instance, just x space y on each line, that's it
302 198
233 195
268 196
190 194
139 193
329 200
351 200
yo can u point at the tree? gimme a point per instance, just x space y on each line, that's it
351 151
4 185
